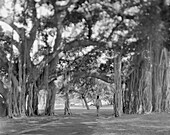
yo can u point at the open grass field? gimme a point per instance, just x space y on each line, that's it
85 122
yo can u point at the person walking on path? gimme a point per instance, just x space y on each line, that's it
67 105
98 104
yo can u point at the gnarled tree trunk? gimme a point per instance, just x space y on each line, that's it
49 110
118 83
85 101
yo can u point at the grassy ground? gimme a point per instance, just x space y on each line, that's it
85 122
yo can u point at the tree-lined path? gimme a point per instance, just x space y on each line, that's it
84 122
69 52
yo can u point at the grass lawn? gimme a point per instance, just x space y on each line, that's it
85 122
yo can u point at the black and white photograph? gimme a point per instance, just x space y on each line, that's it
84 67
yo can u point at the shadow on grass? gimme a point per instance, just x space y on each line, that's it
85 122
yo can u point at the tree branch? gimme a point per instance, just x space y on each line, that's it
36 24
97 75
114 28
76 44
64 7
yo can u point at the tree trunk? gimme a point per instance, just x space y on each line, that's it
167 101
164 65
114 105
3 107
9 99
156 84
3 100
134 94
35 100
23 93
15 102
49 110
30 111
118 93
85 101
20 84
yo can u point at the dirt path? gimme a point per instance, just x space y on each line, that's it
72 125
84 122
81 122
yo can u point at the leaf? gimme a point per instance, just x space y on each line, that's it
1 28
1 3
73 17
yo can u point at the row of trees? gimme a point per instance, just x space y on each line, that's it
68 46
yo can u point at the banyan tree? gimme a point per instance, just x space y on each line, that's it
31 60
148 83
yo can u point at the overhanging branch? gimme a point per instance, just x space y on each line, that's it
76 44
97 75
